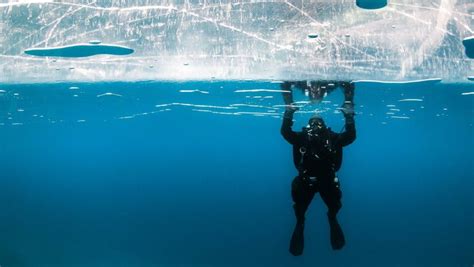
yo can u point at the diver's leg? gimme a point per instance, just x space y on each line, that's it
331 195
302 196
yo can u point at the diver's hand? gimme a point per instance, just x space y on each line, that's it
290 110
348 109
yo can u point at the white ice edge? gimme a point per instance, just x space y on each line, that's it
193 105
261 90
411 100
430 80
194 91
400 117
109 94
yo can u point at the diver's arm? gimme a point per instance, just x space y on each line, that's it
286 130
349 135
287 93
348 90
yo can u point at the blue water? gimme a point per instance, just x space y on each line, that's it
126 179
80 50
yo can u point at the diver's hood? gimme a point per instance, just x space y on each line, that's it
316 127
316 122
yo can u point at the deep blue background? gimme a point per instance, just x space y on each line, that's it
180 187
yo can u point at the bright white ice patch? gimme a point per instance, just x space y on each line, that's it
23 2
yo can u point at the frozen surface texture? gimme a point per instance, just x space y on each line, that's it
202 39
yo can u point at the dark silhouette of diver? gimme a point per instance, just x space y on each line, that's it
317 154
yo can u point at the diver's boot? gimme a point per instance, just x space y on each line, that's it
297 240
337 236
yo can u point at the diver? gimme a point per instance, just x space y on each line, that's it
317 155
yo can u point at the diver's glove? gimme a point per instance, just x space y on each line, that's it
348 91
289 111
348 87
348 110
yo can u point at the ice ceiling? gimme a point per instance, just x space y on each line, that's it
209 39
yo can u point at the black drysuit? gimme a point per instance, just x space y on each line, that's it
317 173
